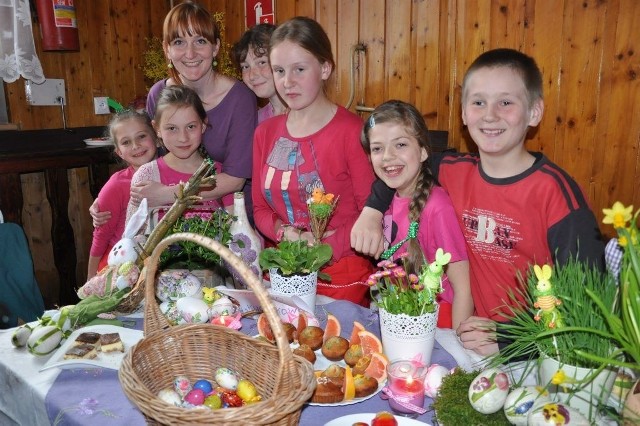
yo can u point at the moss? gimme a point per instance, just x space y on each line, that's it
452 406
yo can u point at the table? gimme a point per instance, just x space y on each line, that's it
94 396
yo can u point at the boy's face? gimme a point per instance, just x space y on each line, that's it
496 110
257 75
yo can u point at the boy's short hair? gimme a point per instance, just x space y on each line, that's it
256 38
519 62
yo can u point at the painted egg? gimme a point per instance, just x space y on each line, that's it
193 310
57 319
433 379
204 386
213 401
520 401
173 284
226 378
44 340
222 306
489 390
21 335
182 385
170 310
195 397
555 413
170 396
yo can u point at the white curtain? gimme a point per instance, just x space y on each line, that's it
17 49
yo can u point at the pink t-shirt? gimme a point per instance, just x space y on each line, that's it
114 198
439 228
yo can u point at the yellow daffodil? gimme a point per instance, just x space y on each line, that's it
618 215
559 377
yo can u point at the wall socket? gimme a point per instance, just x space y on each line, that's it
100 105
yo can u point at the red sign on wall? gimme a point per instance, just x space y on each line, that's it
258 12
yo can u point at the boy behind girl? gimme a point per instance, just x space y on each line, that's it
516 208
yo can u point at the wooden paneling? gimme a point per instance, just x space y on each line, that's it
418 51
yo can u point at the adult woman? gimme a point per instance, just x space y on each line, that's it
191 42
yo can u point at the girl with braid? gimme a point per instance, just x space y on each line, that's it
421 218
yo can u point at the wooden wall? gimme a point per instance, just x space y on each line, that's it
417 51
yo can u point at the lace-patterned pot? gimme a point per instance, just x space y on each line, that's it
304 286
407 337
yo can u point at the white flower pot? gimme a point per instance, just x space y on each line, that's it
584 397
303 286
407 337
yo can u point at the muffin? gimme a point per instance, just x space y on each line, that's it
353 354
365 385
311 336
290 331
334 348
335 373
305 352
362 364
327 391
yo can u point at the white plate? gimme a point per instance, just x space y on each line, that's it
110 360
323 363
368 417
98 141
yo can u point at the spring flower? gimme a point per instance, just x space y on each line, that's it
401 292
618 215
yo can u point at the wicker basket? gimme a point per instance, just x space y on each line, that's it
284 381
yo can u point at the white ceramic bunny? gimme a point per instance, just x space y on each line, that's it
121 271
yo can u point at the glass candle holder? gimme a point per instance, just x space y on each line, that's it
406 388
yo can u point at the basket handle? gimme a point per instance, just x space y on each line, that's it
155 321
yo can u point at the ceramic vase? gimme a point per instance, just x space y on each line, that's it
245 242
303 286
584 397
408 337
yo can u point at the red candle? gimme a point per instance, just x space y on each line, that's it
406 383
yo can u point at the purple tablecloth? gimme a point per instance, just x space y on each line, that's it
94 396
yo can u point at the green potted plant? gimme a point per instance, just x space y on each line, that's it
554 321
202 262
294 268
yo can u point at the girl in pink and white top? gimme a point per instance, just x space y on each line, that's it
136 144
180 121
421 217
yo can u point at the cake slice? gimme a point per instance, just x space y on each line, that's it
82 351
111 342
88 338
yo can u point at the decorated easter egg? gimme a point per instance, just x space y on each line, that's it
192 310
489 390
227 378
520 401
213 401
173 284
555 413
194 397
60 318
170 396
170 311
433 379
222 306
182 385
204 386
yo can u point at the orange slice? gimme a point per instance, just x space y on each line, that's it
349 385
355 339
369 342
302 321
264 329
332 328
377 367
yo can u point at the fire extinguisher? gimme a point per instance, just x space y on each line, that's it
58 24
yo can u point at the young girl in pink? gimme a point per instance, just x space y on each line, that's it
135 143
314 145
180 121
395 137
